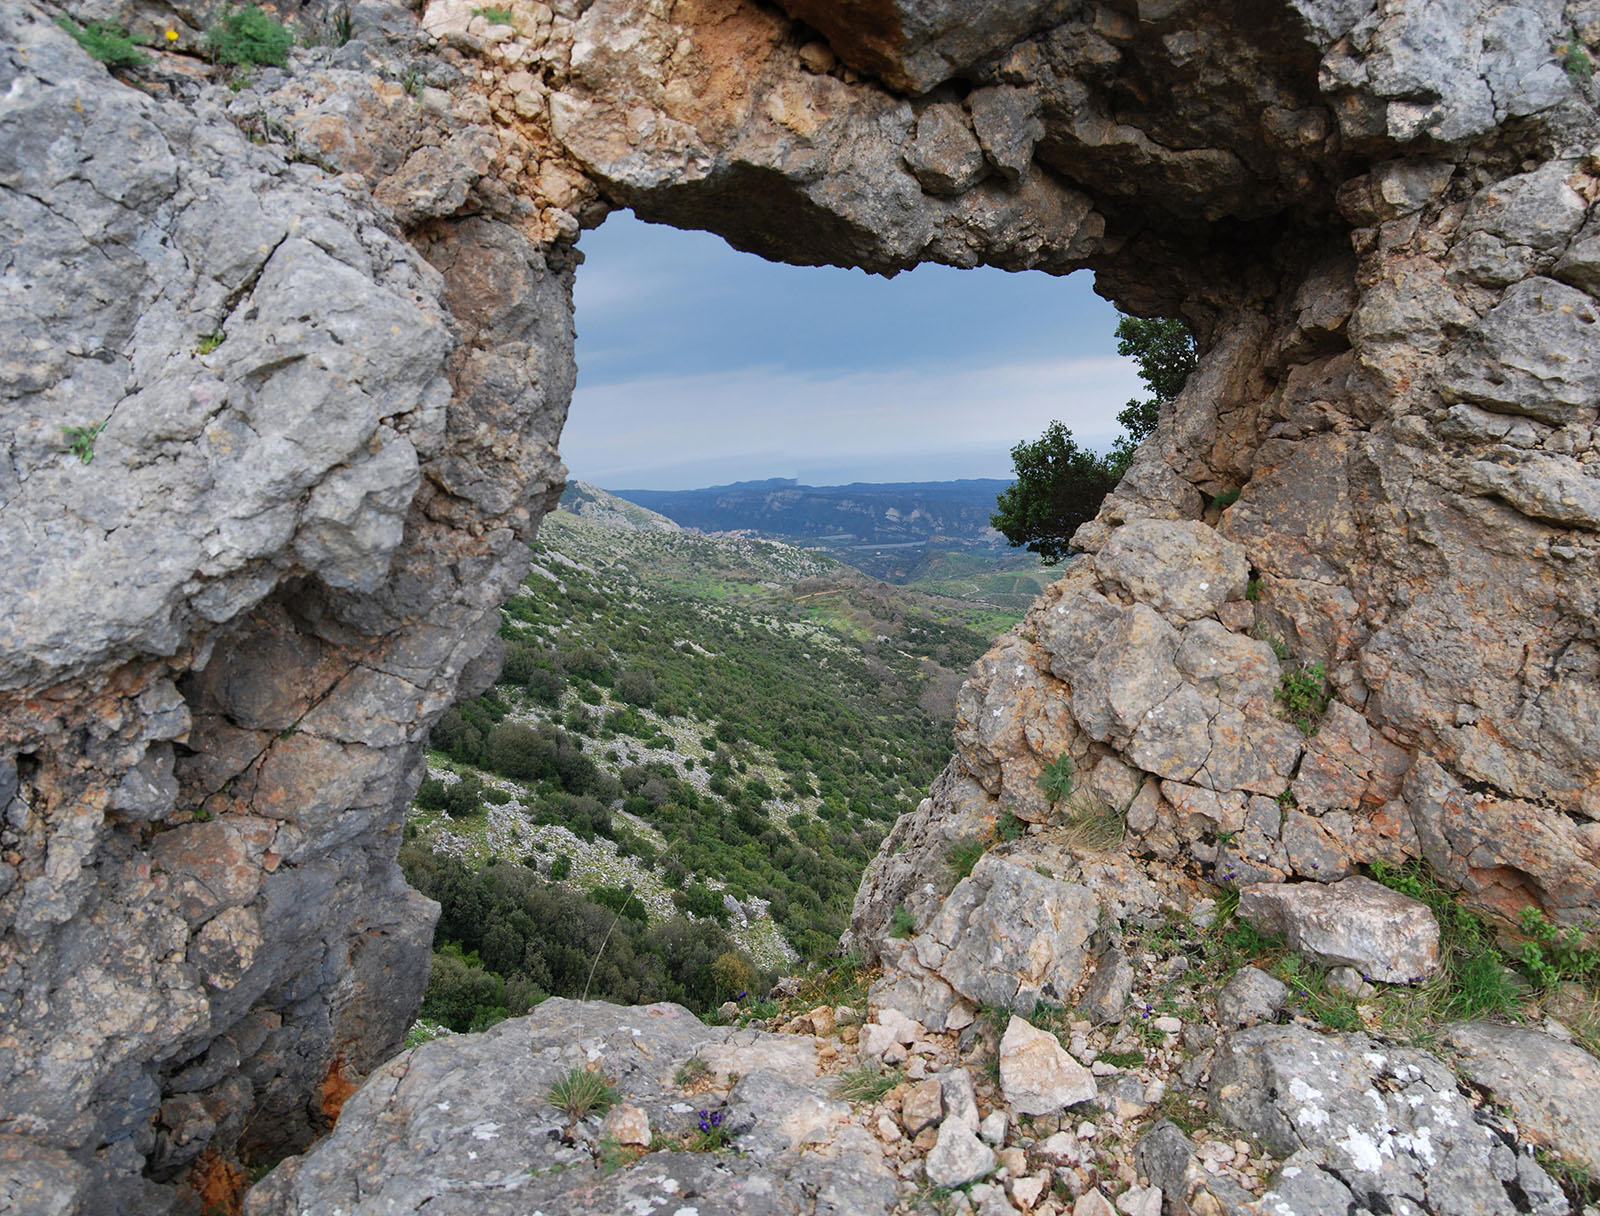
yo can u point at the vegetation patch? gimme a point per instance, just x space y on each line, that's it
80 440
1056 779
902 923
244 37
111 44
583 1092
1304 694
867 1083
962 855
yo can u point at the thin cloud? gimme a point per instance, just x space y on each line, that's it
755 422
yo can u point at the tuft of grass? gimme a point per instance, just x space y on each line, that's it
962 855
583 1092
1252 590
210 342
902 923
1123 1059
80 440
248 36
1304 695
1091 824
1009 827
1472 982
1056 779
865 1084
111 44
494 16
693 1070
1227 498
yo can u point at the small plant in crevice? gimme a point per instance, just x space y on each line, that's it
711 1132
693 1071
867 1083
1056 779
1008 827
1576 61
111 44
1252 590
1303 692
243 37
902 923
583 1092
1227 498
612 1155
962 855
494 16
1553 954
80 440
210 342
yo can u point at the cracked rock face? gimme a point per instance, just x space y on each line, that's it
1310 1098
316 336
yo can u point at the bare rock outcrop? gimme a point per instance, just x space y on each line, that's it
308 347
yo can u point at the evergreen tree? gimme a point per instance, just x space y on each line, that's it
1059 485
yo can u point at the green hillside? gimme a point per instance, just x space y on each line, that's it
694 747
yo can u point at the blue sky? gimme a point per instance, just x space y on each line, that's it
699 365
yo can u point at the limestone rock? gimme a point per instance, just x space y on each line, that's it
1355 922
1108 993
1381 1120
1036 1073
1548 1085
922 1106
1009 936
1141 558
627 1124
958 1157
465 1122
960 1098
297 539
945 154
1250 996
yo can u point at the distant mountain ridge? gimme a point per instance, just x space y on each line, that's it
868 513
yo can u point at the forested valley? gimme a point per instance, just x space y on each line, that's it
694 746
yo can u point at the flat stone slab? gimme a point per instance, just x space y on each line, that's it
1552 1088
1354 923
1036 1073
463 1126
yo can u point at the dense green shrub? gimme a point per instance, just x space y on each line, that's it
636 688
110 44
245 37
505 939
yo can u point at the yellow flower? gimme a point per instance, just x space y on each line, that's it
172 35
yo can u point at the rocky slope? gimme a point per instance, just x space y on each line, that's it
315 332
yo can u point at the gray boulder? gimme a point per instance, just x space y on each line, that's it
958 1156
1250 996
1355 922
465 1125
1551 1087
1009 936
1387 1123
1106 998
